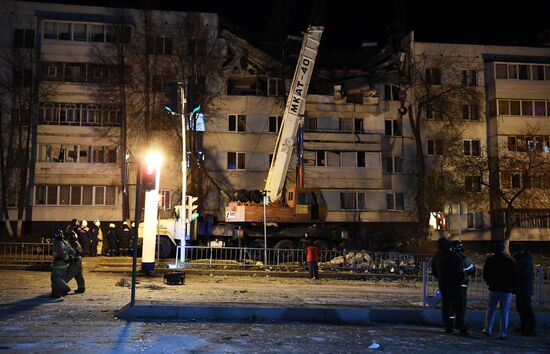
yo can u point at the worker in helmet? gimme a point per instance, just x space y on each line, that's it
75 263
60 265
126 234
469 269
112 235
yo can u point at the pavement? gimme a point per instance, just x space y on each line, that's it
215 312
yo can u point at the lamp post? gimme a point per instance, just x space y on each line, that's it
153 161
183 211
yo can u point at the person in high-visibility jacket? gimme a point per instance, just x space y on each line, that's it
60 264
469 269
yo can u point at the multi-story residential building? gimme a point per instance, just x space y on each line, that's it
64 67
510 114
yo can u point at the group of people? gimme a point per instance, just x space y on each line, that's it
504 276
117 242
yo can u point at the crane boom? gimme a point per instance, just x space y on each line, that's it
294 107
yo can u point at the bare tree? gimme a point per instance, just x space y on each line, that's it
439 93
20 85
517 178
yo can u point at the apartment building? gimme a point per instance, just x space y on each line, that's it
510 117
62 59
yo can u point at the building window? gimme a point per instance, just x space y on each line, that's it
66 195
64 31
320 158
159 45
352 201
345 125
433 114
472 148
349 159
501 71
237 123
472 183
358 125
275 87
347 201
469 77
524 72
391 92
435 147
503 107
236 161
516 180
275 123
470 111
24 38
361 159
310 124
433 76
393 164
395 201
392 127
475 220
333 159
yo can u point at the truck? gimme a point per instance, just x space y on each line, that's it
292 213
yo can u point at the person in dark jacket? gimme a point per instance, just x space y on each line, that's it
83 233
447 268
113 240
125 237
499 273
524 290
60 264
94 234
75 263
469 269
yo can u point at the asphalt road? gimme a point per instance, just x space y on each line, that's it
31 322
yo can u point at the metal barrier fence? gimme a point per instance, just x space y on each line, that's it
372 262
478 290
13 252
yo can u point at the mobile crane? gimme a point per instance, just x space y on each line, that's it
291 215
295 211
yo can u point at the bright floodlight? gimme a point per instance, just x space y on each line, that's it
153 158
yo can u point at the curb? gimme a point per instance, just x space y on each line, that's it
159 310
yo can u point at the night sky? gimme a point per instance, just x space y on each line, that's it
348 23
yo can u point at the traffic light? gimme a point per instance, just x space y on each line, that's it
192 208
172 98
148 177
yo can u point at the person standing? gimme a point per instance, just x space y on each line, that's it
125 238
312 257
447 268
60 265
113 240
524 290
100 240
84 237
499 273
469 269
94 239
75 263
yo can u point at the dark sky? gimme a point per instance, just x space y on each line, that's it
348 23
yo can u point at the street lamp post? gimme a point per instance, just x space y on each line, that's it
183 211
154 161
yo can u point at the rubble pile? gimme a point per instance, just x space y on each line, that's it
395 263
